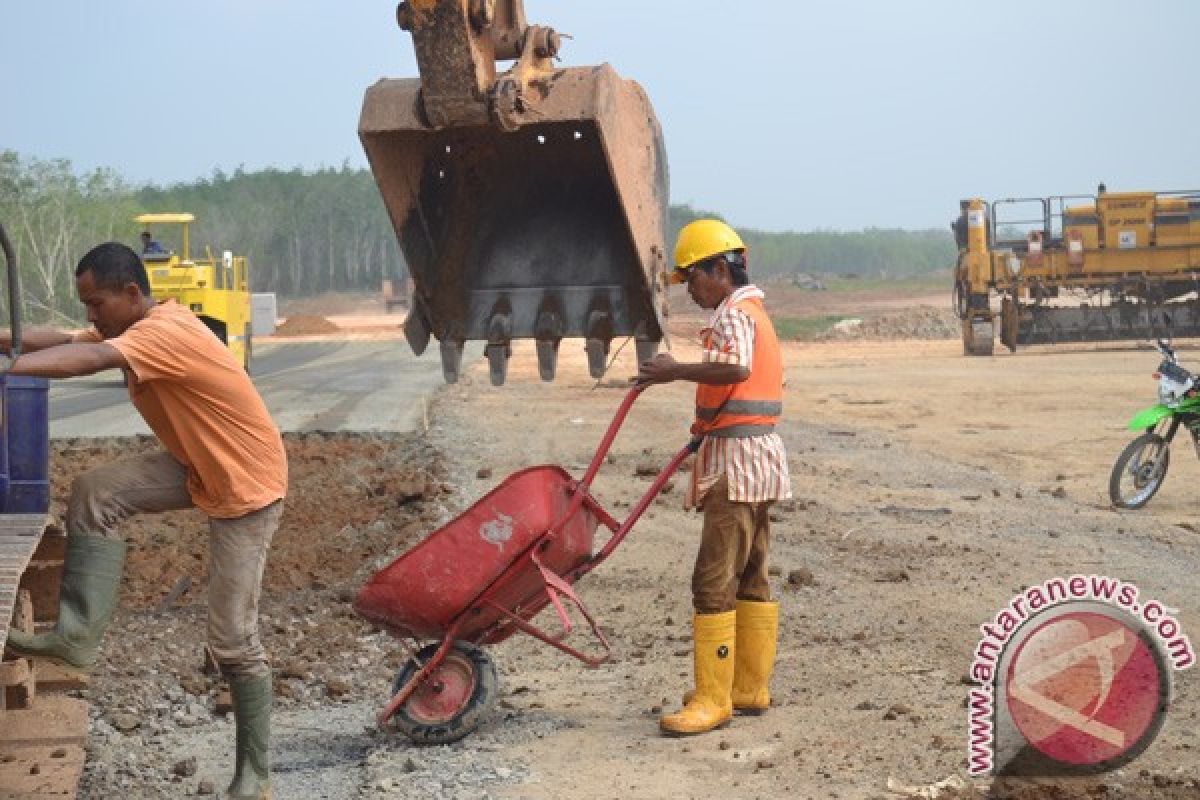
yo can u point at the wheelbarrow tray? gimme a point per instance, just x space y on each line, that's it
490 559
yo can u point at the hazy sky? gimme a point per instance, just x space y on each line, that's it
782 115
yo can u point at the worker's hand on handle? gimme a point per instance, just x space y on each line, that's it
663 368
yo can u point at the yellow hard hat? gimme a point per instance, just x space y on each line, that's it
700 240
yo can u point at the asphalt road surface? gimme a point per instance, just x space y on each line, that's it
309 386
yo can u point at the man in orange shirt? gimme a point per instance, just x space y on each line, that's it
222 454
741 468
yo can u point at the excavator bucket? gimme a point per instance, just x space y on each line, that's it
530 204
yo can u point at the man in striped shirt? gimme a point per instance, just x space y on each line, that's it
741 468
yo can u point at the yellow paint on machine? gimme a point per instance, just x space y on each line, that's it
216 289
1131 255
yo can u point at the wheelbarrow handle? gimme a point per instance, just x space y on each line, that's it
582 487
647 498
609 436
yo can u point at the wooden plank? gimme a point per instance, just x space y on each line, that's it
43 574
53 677
16 684
52 546
22 619
42 749
54 720
18 679
19 537
41 772
42 580
14 672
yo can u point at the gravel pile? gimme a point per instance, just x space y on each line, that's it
305 325
916 323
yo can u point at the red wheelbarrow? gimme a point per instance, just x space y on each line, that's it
483 577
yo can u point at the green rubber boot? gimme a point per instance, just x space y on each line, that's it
252 716
86 601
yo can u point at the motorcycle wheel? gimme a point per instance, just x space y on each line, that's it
1139 472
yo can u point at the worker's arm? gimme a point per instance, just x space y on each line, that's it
663 368
32 341
69 360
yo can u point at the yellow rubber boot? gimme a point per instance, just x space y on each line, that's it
710 706
757 632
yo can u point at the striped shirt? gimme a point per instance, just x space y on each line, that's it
756 466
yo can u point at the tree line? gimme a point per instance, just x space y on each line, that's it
306 232
873 252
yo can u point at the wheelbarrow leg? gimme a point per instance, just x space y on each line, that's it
556 588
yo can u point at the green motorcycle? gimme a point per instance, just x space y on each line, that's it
1142 465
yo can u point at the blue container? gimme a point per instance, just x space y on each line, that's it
25 454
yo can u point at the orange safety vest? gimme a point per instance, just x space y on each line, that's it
752 407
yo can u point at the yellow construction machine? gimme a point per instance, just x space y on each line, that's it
529 203
1078 268
217 290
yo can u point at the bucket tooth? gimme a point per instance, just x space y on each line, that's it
497 356
599 334
599 325
416 329
498 348
452 351
500 327
547 355
597 356
646 349
548 330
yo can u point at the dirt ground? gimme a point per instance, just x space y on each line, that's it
883 437
929 488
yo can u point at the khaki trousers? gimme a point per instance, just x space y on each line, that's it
732 562
103 498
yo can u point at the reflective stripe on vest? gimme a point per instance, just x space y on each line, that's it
760 408
754 406
741 431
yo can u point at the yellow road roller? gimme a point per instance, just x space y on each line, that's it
216 289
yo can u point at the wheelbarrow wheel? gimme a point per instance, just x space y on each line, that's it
452 701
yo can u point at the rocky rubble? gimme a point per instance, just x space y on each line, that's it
156 732
305 324
916 323
356 502
161 726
